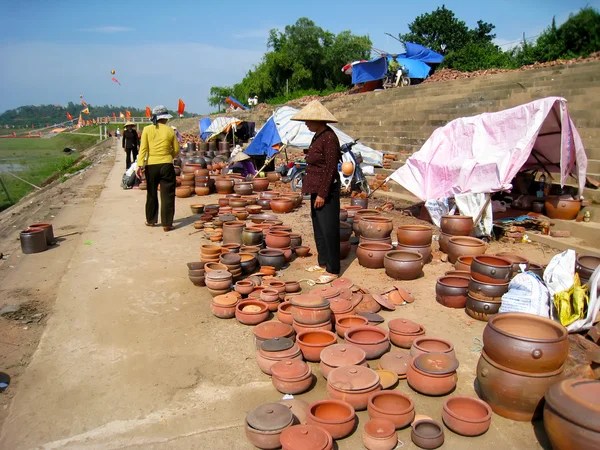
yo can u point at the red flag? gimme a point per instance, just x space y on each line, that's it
180 107
69 116
114 116
148 112
128 114
84 103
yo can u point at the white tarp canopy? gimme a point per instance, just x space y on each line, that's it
221 124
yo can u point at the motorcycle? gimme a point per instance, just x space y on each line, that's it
354 182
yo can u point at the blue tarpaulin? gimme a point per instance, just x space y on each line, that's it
235 103
203 125
374 69
263 142
416 69
423 54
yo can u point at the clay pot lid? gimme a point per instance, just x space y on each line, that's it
305 436
269 417
326 292
226 299
387 378
353 378
578 400
436 363
346 294
404 326
339 305
277 344
338 355
298 407
396 362
356 299
372 317
289 369
269 330
218 275
384 302
380 428
309 301
342 283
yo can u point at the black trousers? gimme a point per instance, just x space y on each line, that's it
132 154
163 175
326 227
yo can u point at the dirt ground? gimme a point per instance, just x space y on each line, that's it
130 355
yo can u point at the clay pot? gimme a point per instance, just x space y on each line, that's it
432 373
393 406
396 363
425 344
284 314
339 355
537 269
251 312
269 194
250 249
457 225
278 239
183 191
375 227
424 250
270 297
481 309
295 197
302 328
526 342
260 184
345 248
403 332
379 434
310 309
515 260
254 209
302 437
414 235
243 189
467 416
244 287
302 251
270 330
451 291
513 394
335 416
353 384
292 286
49 231
463 263
345 231
232 232
274 350
291 376
486 291
248 262
281 205
223 306
363 203
443 242
427 434
571 414
272 176
374 341
299 409
272 257
352 210
312 342
491 269
371 255
562 209
358 215
218 279
402 265
342 324
585 266
252 236
343 215
264 425
459 273
202 190
465 246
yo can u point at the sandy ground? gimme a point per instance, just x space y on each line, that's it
131 356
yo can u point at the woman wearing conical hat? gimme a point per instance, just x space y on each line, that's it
322 183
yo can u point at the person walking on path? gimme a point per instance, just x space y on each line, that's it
131 143
158 147
323 184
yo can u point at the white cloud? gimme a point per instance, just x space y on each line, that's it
258 33
108 29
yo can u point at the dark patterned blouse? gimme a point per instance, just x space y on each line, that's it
322 162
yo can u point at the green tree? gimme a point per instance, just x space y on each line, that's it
218 94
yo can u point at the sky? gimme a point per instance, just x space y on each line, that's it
54 51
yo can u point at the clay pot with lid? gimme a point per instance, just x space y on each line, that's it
562 209
393 406
251 312
403 265
426 344
270 330
491 269
451 291
481 309
571 414
336 416
311 343
353 384
465 246
291 376
339 355
432 373
403 332
375 227
466 416
457 225
379 434
526 342
396 362
218 279
371 255
272 257
373 340
515 260
223 306
303 437
427 434
340 307
343 324
310 309
264 425
274 350
486 291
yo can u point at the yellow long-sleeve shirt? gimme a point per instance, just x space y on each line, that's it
159 145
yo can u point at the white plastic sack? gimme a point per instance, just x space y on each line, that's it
560 272
439 208
471 205
527 294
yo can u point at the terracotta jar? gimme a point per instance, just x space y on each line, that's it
402 265
339 355
425 344
373 340
571 414
414 235
515 260
375 227
457 225
513 394
312 342
264 425
427 434
260 184
481 309
269 330
393 406
432 373
526 342
224 185
335 416
272 257
379 434
451 291
281 205
371 255
463 263
342 324
465 246
310 309
486 291
353 384
302 328
251 312
291 376
274 350
284 314
403 332
562 209
443 242
303 437
467 416
243 188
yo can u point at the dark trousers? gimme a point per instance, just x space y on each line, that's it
326 227
131 156
163 175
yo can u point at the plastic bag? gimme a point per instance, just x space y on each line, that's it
560 273
571 305
593 306
439 208
527 293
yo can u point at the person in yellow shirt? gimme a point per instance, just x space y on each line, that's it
158 147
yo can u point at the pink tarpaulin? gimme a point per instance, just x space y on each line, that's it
483 153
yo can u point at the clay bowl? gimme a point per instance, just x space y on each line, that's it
281 205
265 439
379 434
197 280
481 309
427 434
284 314
425 344
526 342
451 291
209 267
197 208
402 265
260 218
343 324
210 249
586 264
515 260
251 312
196 265
467 416
244 287
335 416
457 225
491 269
393 406
302 251
371 255
465 246
562 209
292 286
463 263
312 342
373 340
254 209
230 259
183 191
414 235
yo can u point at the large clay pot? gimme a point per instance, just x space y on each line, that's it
465 246
362 213
414 235
375 227
491 269
457 225
467 416
379 434
373 340
481 309
526 342
463 263
353 384
424 250
281 205
278 239
562 209
392 405
260 184
402 265
486 291
335 416
586 264
513 394
451 291
232 232
272 257
243 188
371 255
443 242
224 185
264 425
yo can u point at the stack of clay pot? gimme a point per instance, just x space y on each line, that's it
345 233
415 238
279 240
202 182
196 273
490 276
265 424
310 312
453 225
218 281
523 355
233 263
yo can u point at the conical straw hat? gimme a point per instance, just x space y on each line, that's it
314 111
